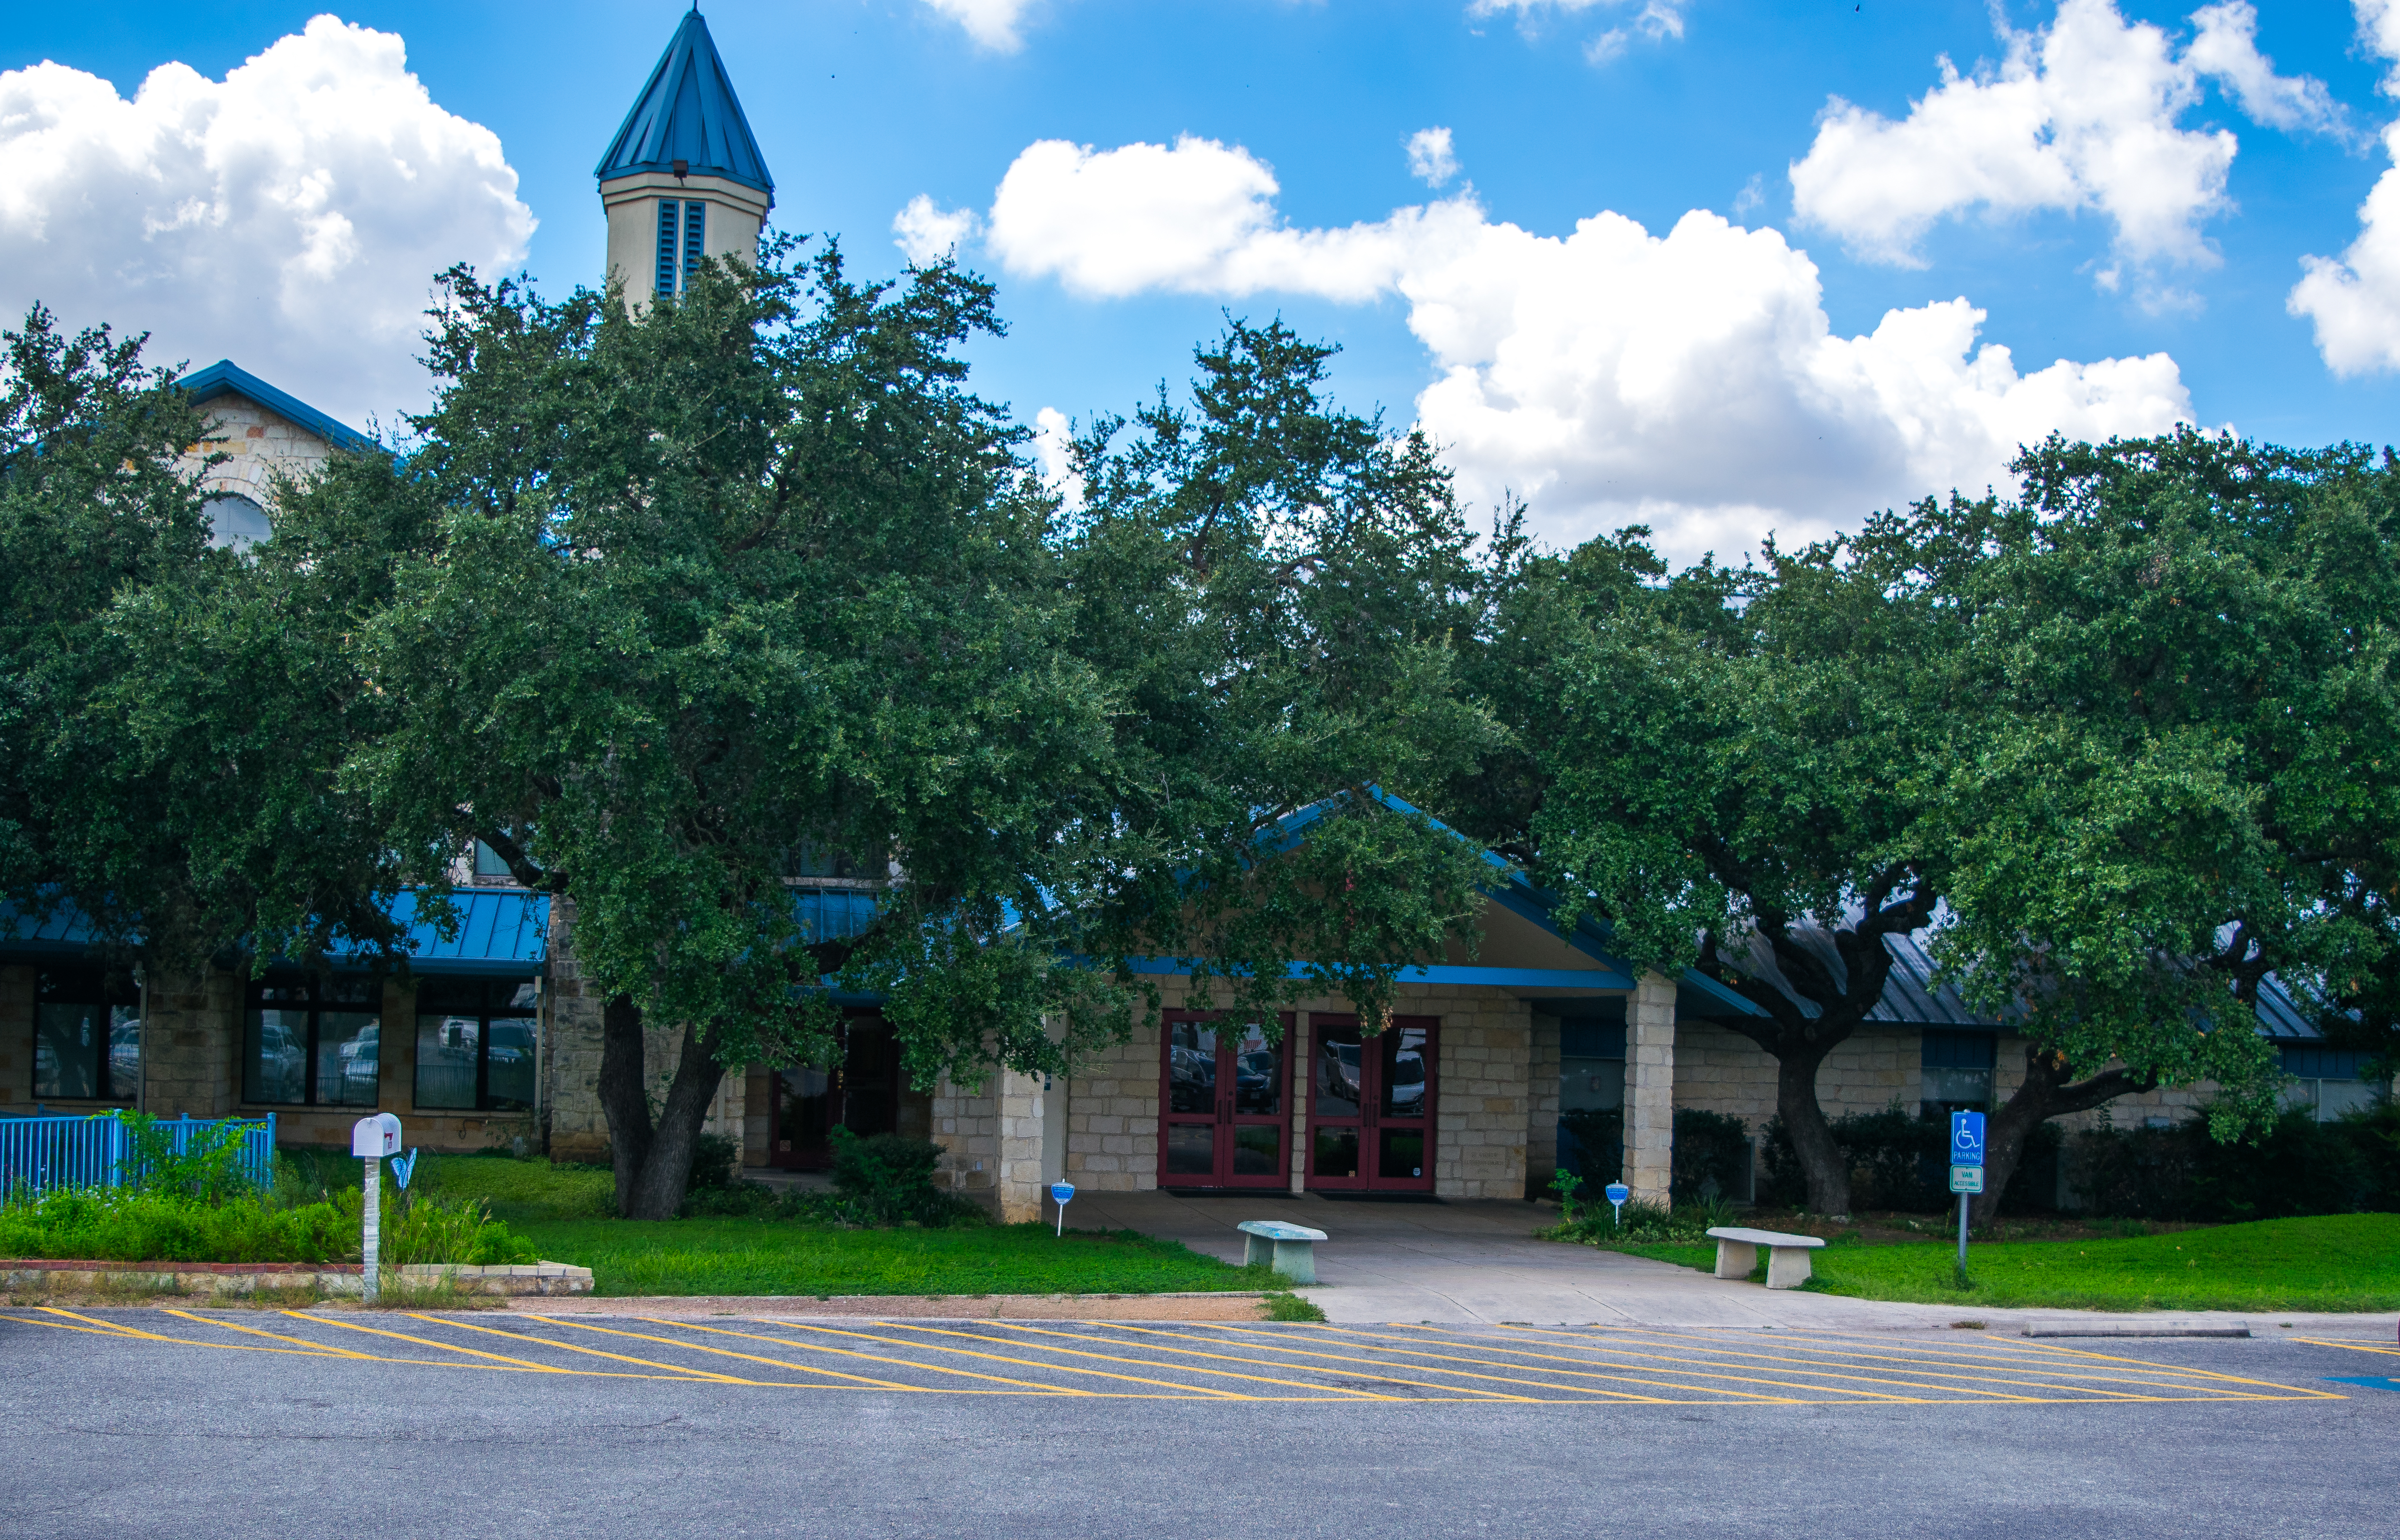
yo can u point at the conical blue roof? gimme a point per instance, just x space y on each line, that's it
689 113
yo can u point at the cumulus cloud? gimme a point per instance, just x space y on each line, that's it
1053 457
1691 380
2082 114
2355 300
989 22
925 232
1431 159
289 217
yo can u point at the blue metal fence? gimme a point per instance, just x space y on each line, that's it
48 1154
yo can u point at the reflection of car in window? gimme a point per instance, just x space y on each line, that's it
125 1055
1337 1072
512 1042
1191 1079
1407 1091
1254 1082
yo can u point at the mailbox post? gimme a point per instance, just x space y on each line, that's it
371 1139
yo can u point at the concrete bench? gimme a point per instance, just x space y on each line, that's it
1293 1247
1787 1256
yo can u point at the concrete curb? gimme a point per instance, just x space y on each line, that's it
334 1278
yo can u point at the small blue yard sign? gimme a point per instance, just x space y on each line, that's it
1617 1193
1061 1192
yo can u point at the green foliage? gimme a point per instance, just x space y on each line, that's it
1598 1133
2302 1166
457 1230
715 1163
122 1224
2335 1262
886 1178
208 1171
1711 1155
1645 1223
1292 1307
1897 1160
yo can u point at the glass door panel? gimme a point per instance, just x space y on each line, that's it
1224 1119
807 1102
1371 1106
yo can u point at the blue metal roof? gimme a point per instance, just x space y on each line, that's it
689 113
501 932
225 378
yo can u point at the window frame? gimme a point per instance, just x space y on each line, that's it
320 994
492 1000
90 986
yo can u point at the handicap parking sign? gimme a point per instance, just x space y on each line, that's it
1966 1138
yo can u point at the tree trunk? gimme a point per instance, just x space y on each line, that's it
1822 1161
2044 1094
653 1162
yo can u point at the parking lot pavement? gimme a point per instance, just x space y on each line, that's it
152 1422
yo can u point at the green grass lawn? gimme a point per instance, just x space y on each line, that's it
2335 1261
563 1209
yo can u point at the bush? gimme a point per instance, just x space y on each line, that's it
2300 1168
1645 1223
716 1165
1712 1157
889 1178
1900 1160
1591 1145
125 1225
431 1227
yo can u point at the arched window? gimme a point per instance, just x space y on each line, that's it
235 522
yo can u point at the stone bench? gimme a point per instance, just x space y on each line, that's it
1787 1256
1293 1247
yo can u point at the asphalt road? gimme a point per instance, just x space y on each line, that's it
142 1421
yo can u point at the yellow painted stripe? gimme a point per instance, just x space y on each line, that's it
1022 1363
1381 1368
1971 1384
1032 1386
272 1336
1651 1377
1221 1357
2053 1352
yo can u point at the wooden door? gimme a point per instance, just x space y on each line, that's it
861 1093
1371 1107
1224 1112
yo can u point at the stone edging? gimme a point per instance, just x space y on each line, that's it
539 1278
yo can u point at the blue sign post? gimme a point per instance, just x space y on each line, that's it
1061 1192
1618 1192
1966 1170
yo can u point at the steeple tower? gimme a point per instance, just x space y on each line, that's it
683 179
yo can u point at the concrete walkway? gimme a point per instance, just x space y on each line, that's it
1462 1263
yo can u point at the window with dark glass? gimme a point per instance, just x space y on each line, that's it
1956 1068
86 1036
475 1042
313 1042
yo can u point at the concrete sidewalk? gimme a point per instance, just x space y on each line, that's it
1467 1263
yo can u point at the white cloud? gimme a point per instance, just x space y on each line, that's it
2355 300
989 22
2080 116
926 232
1053 439
1657 21
1431 159
289 217
1690 381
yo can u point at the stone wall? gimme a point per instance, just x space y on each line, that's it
261 442
191 1045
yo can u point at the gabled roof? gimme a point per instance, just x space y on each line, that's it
501 931
689 113
225 378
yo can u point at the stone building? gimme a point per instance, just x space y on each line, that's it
1489 1071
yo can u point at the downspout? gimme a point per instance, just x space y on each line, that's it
142 1057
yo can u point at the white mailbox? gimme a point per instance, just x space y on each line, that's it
376 1136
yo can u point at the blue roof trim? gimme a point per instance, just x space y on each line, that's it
1513 893
227 378
1522 978
689 113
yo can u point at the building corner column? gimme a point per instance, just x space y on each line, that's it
1018 1179
1650 1089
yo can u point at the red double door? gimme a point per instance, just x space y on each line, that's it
1226 1099
1224 1104
1370 1105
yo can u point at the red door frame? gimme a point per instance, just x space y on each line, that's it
1370 1120
1224 1113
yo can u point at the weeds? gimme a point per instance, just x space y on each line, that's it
1292 1307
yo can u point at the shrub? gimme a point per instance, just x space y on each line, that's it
2299 1168
1645 1223
1712 1156
431 1227
888 1177
125 1225
716 1165
1591 1145
1899 1159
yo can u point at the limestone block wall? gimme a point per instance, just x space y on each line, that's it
1483 1095
191 1045
16 1039
262 443
1112 1116
966 1125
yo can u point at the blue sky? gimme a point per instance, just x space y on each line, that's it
1557 111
